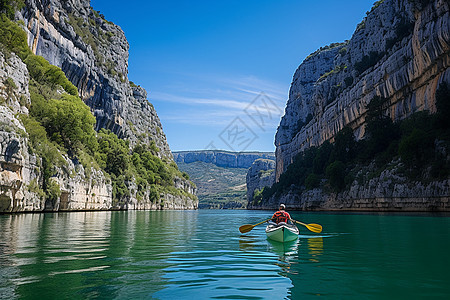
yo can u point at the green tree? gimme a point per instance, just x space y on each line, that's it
312 181
416 148
344 145
322 157
112 153
380 130
9 7
443 106
45 73
257 196
13 37
67 121
336 175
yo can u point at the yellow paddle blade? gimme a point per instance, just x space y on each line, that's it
314 227
246 228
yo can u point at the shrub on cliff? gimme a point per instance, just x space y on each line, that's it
9 7
414 149
150 167
336 174
443 106
112 154
45 73
257 196
13 37
345 146
312 181
380 130
67 121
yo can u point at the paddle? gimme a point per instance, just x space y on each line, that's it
249 227
313 227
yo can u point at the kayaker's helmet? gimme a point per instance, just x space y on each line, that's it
282 206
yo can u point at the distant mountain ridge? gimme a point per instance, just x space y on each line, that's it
222 158
220 175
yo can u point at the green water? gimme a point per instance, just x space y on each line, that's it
202 255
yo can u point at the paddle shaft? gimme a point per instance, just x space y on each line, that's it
299 222
262 222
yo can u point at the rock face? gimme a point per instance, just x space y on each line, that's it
389 192
222 158
14 80
20 177
260 175
93 53
399 52
17 167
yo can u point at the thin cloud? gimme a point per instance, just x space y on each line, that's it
216 101
193 100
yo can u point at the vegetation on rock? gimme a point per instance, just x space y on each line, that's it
218 187
417 146
60 123
9 7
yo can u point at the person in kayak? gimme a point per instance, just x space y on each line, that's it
281 215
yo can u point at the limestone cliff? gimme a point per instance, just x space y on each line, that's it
260 175
400 51
93 54
222 158
387 192
20 177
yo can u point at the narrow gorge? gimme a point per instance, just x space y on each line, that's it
224 178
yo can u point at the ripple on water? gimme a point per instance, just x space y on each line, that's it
226 274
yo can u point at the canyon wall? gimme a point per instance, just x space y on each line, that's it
93 54
260 175
400 52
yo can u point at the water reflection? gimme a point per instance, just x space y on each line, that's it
287 255
247 243
315 246
38 246
90 254
285 250
217 262
169 255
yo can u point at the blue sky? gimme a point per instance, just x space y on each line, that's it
218 72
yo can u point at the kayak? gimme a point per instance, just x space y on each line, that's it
282 232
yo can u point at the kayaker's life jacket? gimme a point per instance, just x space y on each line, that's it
280 216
